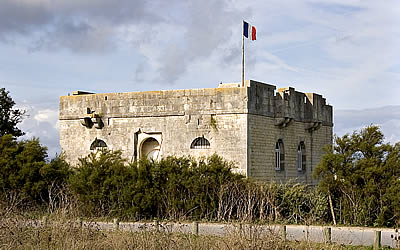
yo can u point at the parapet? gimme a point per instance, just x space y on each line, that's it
162 103
287 104
254 97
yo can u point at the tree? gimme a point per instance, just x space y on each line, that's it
25 173
360 172
9 117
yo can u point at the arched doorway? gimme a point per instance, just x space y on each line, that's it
150 149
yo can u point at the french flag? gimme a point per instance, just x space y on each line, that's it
249 31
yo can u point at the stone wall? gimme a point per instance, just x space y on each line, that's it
178 117
263 135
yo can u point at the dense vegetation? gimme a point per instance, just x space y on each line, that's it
172 188
361 174
359 185
25 176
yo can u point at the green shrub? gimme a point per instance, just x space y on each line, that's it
24 173
190 188
103 183
173 188
361 173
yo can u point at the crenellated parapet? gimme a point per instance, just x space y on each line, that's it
287 105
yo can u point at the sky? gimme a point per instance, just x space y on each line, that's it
346 50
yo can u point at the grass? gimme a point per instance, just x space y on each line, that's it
65 233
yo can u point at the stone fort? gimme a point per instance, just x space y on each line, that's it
270 135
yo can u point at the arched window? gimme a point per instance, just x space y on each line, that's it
301 157
98 144
200 142
279 156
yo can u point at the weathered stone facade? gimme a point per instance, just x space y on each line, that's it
270 135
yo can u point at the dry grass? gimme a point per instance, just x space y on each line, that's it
63 233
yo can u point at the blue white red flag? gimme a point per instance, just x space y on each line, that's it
249 31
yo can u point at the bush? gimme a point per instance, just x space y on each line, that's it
183 188
25 176
174 187
359 185
103 183
190 188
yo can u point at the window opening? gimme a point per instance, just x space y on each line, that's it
301 156
279 155
98 144
199 143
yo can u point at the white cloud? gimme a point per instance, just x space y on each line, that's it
387 118
42 124
47 115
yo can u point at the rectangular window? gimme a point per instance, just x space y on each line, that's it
279 155
299 160
301 157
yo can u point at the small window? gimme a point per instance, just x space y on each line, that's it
98 144
301 157
279 156
200 142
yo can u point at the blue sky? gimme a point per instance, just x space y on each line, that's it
346 50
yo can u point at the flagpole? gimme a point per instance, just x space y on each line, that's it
243 55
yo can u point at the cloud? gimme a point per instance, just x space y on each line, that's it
387 118
171 36
346 50
22 17
79 37
47 115
206 31
87 27
79 26
42 124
